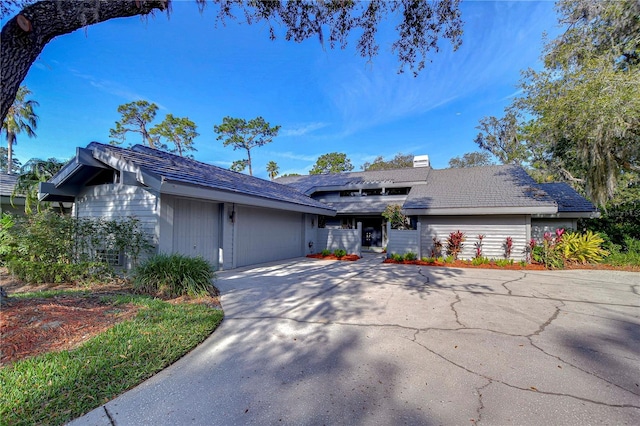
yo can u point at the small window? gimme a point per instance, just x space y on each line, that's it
110 257
397 191
350 193
104 177
373 191
322 221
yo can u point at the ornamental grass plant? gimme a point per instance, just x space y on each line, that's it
173 275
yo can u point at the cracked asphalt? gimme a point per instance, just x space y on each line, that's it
308 342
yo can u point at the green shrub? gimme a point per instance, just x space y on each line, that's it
55 242
631 256
38 272
501 263
449 259
339 253
173 275
397 257
582 248
548 257
523 263
325 252
393 213
480 261
410 256
428 259
632 245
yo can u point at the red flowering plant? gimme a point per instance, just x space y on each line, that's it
508 246
548 253
455 243
478 246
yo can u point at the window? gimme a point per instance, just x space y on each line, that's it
373 191
397 191
110 257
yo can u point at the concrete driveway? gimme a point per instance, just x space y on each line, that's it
310 342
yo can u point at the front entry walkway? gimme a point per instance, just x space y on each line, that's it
317 342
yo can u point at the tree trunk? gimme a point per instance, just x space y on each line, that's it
249 162
25 35
11 138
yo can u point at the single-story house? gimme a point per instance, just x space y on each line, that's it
189 207
7 183
495 201
234 220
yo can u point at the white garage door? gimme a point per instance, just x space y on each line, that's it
196 229
265 235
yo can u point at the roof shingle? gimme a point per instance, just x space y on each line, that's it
473 187
177 169
568 199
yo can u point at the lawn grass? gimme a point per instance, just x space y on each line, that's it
57 387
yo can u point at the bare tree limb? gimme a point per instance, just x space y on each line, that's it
25 35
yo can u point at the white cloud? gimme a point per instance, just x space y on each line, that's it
302 129
291 155
114 88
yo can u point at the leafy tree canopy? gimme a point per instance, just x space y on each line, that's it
4 162
243 134
471 159
419 24
136 117
334 162
400 161
583 109
176 130
502 138
239 166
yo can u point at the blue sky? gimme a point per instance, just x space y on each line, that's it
325 100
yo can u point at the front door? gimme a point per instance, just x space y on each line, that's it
372 233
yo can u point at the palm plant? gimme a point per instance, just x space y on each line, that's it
272 169
20 118
31 174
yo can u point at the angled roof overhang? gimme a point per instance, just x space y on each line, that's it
66 184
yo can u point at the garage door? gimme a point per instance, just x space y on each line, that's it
265 235
195 229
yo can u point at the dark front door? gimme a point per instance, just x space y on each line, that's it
372 233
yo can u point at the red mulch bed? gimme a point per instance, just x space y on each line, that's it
465 264
348 257
37 325
515 266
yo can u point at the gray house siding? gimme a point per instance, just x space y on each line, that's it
349 240
264 235
540 226
190 227
117 201
495 229
401 241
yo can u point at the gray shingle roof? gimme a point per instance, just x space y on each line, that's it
567 198
184 170
473 187
7 183
311 183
